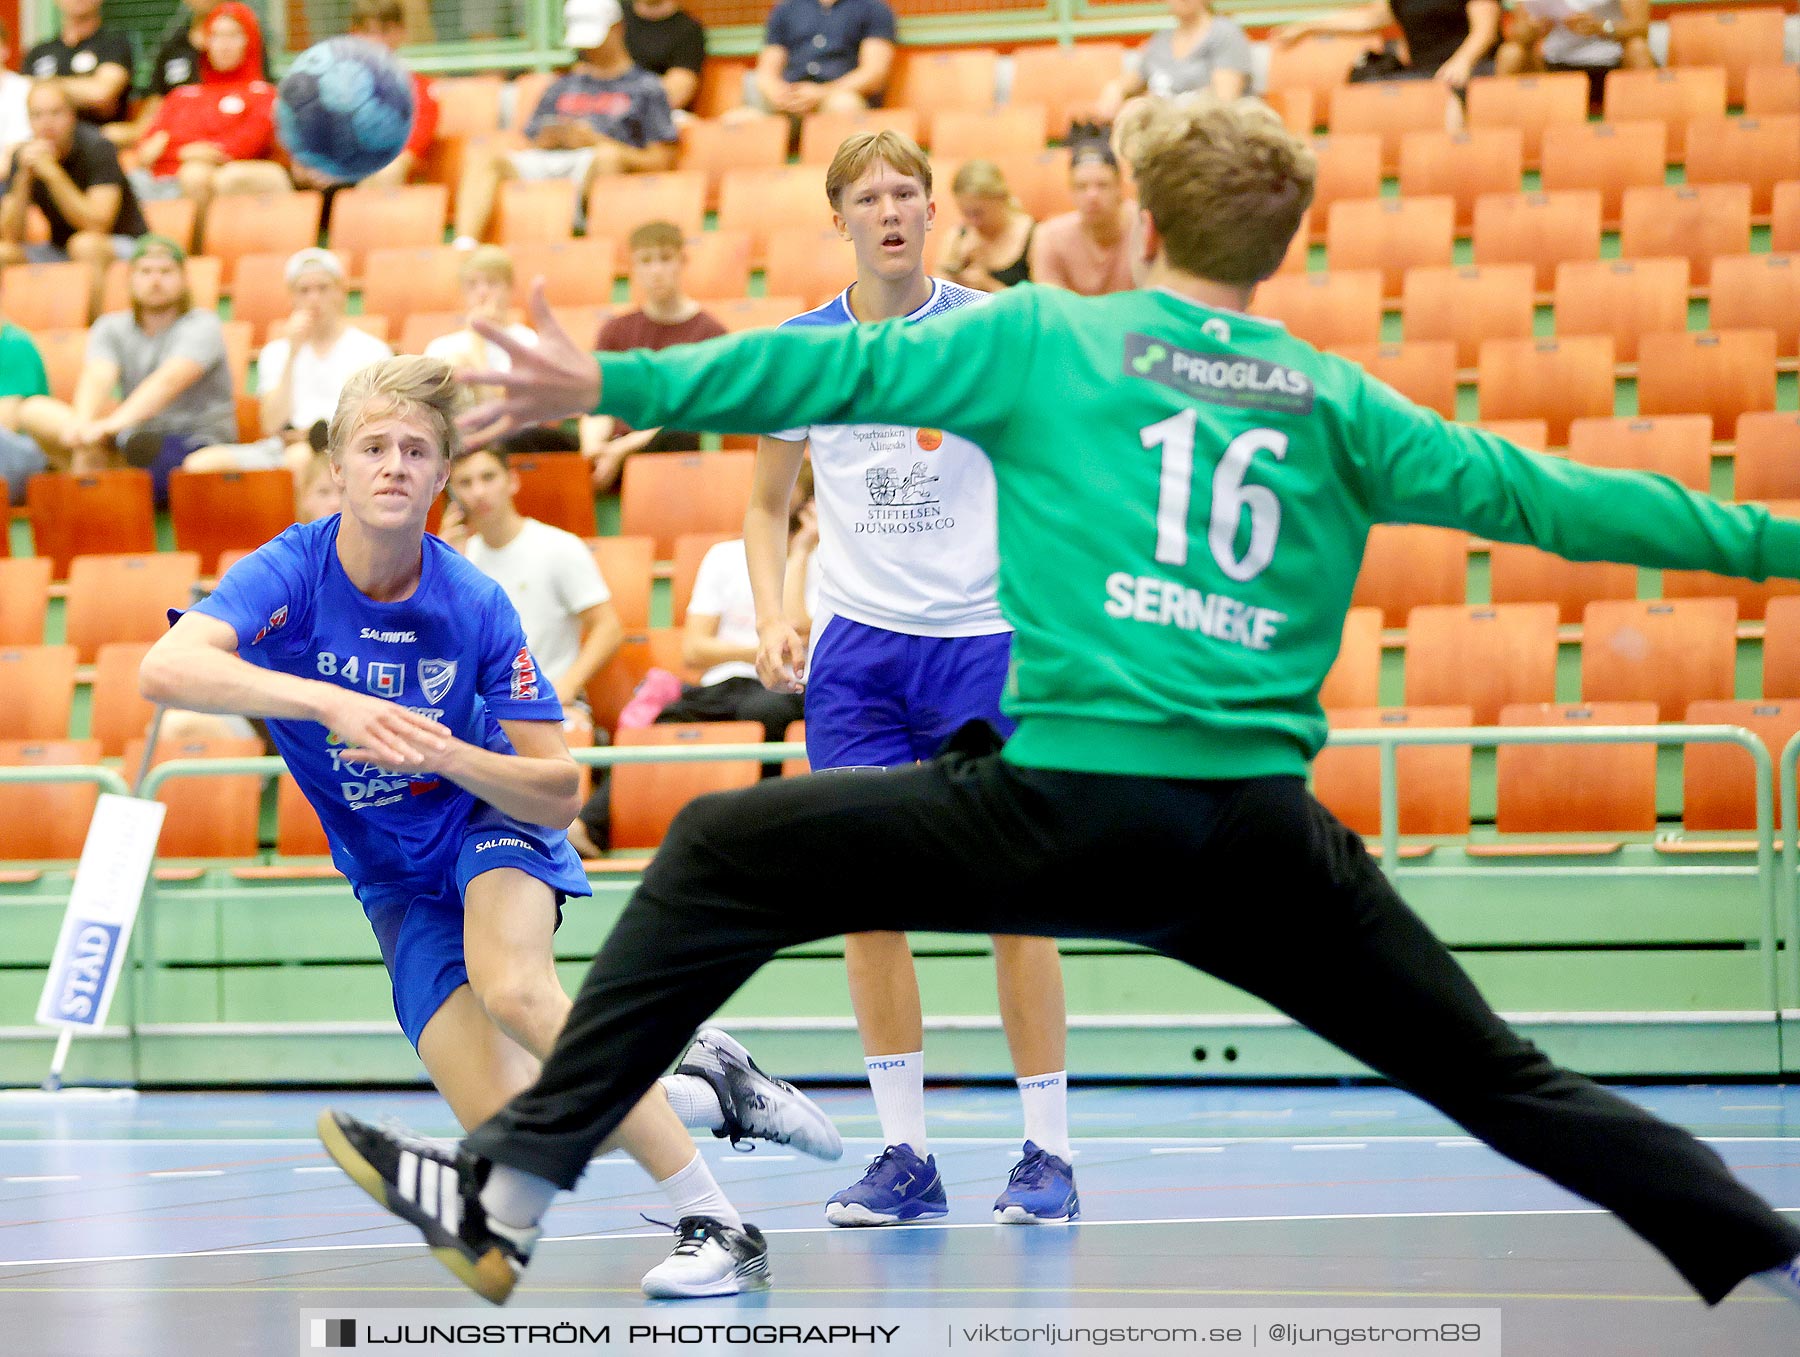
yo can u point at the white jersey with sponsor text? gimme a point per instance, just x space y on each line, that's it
906 514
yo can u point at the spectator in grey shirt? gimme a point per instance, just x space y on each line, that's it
1203 53
167 363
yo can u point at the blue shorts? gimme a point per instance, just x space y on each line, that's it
883 699
420 924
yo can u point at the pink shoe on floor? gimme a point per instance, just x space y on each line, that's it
655 691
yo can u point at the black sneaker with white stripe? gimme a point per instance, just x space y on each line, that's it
436 1188
710 1259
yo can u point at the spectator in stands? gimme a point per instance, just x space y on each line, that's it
384 22
319 495
549 575
665 315
166 360
991 250
1589 36
486 279
603 116
1087 250
92 62
1205 53
667 41
215 136
23 382
301 371
831 56
176 63
70 173
15 122
1450 41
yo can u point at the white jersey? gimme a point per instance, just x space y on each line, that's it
906 515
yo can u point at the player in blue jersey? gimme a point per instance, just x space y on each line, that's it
397 683
908 645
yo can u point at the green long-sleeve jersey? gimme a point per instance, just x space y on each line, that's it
1184 498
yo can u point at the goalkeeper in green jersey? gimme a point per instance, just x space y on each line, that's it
1184 495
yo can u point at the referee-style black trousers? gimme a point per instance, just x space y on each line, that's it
1252 881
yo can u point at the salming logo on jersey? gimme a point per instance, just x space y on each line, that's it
1219 379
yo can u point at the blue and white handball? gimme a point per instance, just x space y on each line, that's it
345 108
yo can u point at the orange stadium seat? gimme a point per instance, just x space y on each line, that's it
523 93
468 105
174 218
298 833
392 217
1390 234
1672 97
811 263
1722 373
611 688
1467 306
1390 109
760 202
1759 292
1040 182
1540 229
1678 446
1606 157
98 511
214 511
718 265
237 352
126 597
46 296
721 85
1430 781
1349 167
1527 433
1758 151
1667 651
1520 574
556 488
119 714
1482 657
1556 380
1424 370
398 282
690 550
1718 781
203 279
620 203
1320 64
533 210
208 817
24 599
1406 566
1067 81
63 352
647 796
1463 165
1355 676
1781 648
1766 460
1732 39
46 820
712 148
259 294
575 272
583 322
1016 130
795 734
1624 298
755 313
422 327
822 133
1574 788
1530 103
39 683
663 497
937 82
1297 107
1784 217
1327 310
1771 88
627 565
1751 596
261 223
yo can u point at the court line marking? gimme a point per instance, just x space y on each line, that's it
185 1173
43 1178
9 1143
1337 1146
260 1250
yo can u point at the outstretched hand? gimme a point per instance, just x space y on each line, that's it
552 379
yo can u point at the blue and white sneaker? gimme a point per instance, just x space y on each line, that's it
898 1187
1041 1191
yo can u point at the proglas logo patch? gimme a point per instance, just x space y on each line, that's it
1219 379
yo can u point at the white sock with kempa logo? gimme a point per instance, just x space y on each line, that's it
1046 1099
898 1083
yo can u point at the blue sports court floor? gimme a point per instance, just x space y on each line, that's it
204 1223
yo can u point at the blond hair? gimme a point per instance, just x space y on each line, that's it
486 261
980 179
656 235
402 386
860 152
1225 182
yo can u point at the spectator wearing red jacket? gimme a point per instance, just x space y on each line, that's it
215 136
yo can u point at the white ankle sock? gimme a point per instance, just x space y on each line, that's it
898 1083
693 1192
1784 1281
1046 1099
694 1102
516 1199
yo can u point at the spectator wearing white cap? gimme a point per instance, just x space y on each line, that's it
301 370
604 115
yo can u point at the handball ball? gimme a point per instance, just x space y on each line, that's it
345 108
